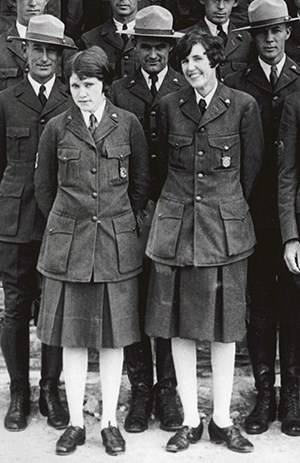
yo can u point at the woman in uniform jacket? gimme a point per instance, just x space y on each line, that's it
202 232
92 182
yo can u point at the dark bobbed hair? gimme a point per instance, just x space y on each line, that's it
213 46
92 62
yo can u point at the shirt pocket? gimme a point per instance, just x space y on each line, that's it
165 228
118 163
129 257
19 144
225 153
10 203
239 230
181 153
68 167
57 242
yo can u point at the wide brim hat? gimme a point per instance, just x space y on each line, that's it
265 13
153 21
45 28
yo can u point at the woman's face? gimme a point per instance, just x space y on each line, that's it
86 93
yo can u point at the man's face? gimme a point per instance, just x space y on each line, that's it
28 8
197 70
218 11
86 93
153 53
42 60
124 10
270 42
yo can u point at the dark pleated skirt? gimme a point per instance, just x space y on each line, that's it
198 303
89 314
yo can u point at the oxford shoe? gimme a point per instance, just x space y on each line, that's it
263 413
185 436
51 406
68 441
19 407
112 440
231 436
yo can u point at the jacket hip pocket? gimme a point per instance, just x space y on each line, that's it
10 203
129 257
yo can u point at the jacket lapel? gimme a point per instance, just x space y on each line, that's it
25 93
57 97
170 84
234 40
15 47
218 105
189 105
138 87
108 123
257 77
109 33
290 72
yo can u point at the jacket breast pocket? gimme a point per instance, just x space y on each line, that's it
165 228
239 230
129 259
57 243
8 74
18 139
225 152
68 168
180 152
118 163
10 203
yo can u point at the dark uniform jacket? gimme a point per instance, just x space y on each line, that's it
22 120
133 94
210 163
253 80
124 59
92 188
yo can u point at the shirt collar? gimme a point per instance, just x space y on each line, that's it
213 27
36 85
208 97
21 29
119 25
267 67
161 75
98 113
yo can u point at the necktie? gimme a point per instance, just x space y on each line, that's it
42 96
153 88
125 37
202 106
273 76
93 124
221 33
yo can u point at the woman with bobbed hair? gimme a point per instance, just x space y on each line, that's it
202 232
92 183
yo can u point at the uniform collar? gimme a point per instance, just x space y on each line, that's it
119 25
21 29
213 27
98 113
208 97
267 67
161 75
36 85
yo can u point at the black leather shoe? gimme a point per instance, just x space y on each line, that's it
68 441
50 406
289 412
166 410
112 440
231 436
185 436
19 408
263 413
138 414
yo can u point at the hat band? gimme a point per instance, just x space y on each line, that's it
142 31
266 22
44 37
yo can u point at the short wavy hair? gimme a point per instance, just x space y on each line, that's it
92 62
213 46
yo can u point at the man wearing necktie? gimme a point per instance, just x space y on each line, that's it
140 93
274 298
25 109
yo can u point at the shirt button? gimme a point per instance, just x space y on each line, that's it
198 198
200 153
94 218
94 170
94 194
200 175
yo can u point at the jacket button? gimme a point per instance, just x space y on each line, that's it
94 218
202 129
200 153
43 121
153 134
153 156
50 230
94 170
94 194
198 198
126 57
275 98
153 113
200 175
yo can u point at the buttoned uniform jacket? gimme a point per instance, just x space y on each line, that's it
13 64
208 167
132 93
22 121
91 188
124 59
252 80
239 49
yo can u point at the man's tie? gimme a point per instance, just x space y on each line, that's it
221 33
153 89
125 37
93 124
273 76
202 106
42 96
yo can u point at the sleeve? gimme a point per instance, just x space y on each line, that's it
45 178
162 131
3 158
288 169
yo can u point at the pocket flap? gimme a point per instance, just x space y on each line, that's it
178 141
11 190
18 132
125 223
223 143
169 209
8 72
58 223
68 154
118 151
234 210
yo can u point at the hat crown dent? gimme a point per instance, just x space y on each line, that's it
46 25
267 10
154 17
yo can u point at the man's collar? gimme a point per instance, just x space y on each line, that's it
21 29
36 85
267 67
161 75
213 27
119 25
